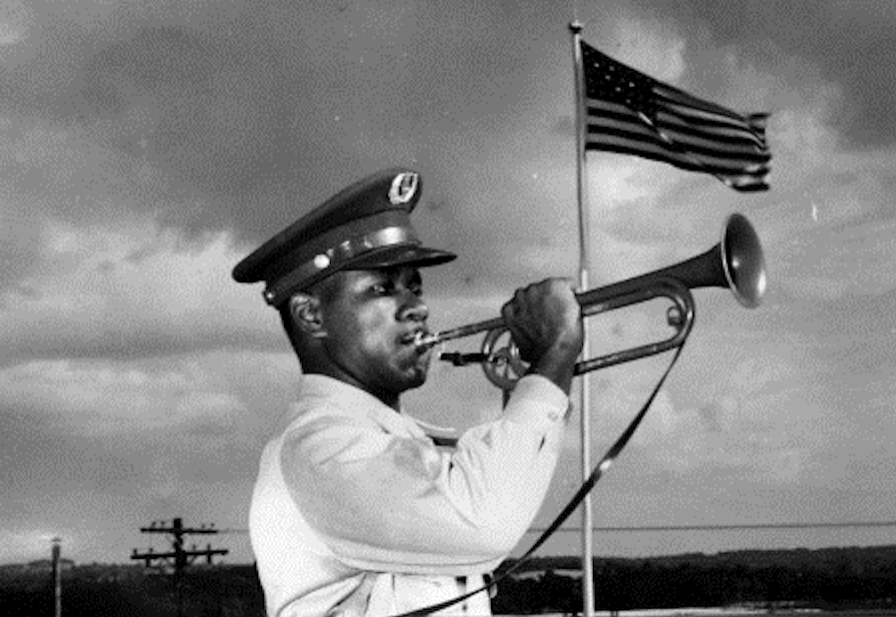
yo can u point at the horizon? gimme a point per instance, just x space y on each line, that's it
223 562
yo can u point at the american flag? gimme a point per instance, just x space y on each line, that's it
631 113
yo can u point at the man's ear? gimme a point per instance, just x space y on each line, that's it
306 313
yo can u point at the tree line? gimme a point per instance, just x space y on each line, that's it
827 579
831 579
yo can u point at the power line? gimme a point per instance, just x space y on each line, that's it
730 527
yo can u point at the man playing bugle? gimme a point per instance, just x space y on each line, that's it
355 510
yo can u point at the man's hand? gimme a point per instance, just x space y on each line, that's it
545 321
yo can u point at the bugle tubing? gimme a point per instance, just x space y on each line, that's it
736 262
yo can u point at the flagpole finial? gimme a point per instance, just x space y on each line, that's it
575 26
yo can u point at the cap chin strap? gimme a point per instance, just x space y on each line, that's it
333 258
605 463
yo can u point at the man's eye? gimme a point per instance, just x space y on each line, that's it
380 289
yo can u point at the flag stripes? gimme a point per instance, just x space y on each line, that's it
628 112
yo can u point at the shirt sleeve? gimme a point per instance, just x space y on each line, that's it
389 503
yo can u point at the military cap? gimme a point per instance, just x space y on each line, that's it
365 226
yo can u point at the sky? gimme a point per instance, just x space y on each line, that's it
146 147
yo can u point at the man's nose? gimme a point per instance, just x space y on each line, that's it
413 308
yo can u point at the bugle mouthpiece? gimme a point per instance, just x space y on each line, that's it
425 340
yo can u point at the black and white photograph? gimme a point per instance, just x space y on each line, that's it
468 307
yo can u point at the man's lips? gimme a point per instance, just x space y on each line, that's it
413 337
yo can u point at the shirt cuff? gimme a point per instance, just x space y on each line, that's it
536 400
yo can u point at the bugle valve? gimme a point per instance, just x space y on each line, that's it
736 262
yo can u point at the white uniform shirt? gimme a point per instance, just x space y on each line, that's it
356 512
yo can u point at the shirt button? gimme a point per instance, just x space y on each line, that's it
553 416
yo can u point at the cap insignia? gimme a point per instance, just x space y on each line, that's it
404 185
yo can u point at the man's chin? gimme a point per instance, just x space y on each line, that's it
418 377
415 374
414 371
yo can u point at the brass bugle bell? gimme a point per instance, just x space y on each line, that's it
736 262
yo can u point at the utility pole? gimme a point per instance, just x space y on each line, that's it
55 553
178 558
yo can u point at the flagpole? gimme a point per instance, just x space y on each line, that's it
575 27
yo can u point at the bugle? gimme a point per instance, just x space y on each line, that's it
736 262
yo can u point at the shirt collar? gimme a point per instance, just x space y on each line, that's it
354 400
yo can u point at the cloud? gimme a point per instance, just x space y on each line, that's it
109 399
844 43
248 111
128 290
15 20
653 46
715 416
125 441
157 428
735 401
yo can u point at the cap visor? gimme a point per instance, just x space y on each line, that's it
418 256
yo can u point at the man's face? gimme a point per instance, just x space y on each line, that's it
371 318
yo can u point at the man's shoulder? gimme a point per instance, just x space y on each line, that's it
323 433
